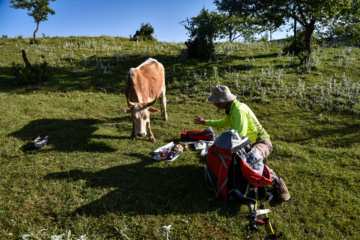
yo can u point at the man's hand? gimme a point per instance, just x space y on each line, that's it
199 120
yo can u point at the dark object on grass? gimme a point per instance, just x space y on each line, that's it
38 143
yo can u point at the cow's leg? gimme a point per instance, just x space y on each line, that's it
163 105
151 135
133 136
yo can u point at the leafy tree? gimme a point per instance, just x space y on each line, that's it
145 33
203 29
268 27
38 9
233 23
234 27
342 28
307 13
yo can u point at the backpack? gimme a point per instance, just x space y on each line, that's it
233 165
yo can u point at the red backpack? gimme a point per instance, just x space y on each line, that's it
233 163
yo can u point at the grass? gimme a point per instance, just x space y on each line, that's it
92 180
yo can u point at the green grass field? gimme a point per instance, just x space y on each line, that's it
91 179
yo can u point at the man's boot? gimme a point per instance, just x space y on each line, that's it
281 189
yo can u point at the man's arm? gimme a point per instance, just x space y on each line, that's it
218 123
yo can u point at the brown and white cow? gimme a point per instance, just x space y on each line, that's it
144 85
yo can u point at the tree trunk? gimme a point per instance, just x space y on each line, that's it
295 36
27 63
231 34
37 28
308 33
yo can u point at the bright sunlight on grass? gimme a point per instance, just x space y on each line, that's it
92 182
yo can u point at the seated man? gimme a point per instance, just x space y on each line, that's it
240 117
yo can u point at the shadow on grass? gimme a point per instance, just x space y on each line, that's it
7 79
337 136
143 189
67 135
95 74
109 73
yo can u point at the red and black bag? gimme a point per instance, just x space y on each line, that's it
233 167
232 164
196 135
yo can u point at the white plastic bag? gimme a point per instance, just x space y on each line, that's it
162 152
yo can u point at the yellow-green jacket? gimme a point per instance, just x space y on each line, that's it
242 119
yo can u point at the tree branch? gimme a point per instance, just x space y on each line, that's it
302 14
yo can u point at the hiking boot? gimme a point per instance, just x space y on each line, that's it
281 189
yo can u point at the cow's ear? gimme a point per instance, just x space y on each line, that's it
153 110
127 110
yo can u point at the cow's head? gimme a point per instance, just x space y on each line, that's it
140 114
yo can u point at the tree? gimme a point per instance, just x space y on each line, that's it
203 29
234 24
307 13
145 33
38 9
342 28
234 27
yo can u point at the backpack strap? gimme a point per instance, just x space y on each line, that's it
222 186
214 188
222 156
209 177
240 196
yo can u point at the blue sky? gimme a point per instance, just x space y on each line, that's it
105 17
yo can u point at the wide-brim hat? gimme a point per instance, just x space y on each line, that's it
221 94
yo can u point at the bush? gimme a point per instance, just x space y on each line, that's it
304 57
145 33
202 30
297 45
37 74
200 48
34 41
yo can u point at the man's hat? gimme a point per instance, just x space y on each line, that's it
221 94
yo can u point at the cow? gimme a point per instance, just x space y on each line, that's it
144 85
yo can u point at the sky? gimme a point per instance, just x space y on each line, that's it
118 18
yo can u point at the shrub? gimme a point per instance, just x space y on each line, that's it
34 41
36 74
202 30
297 45
145 33
200 48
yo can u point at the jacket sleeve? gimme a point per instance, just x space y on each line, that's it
218 123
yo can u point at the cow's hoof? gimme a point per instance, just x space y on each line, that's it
132 138
152 140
